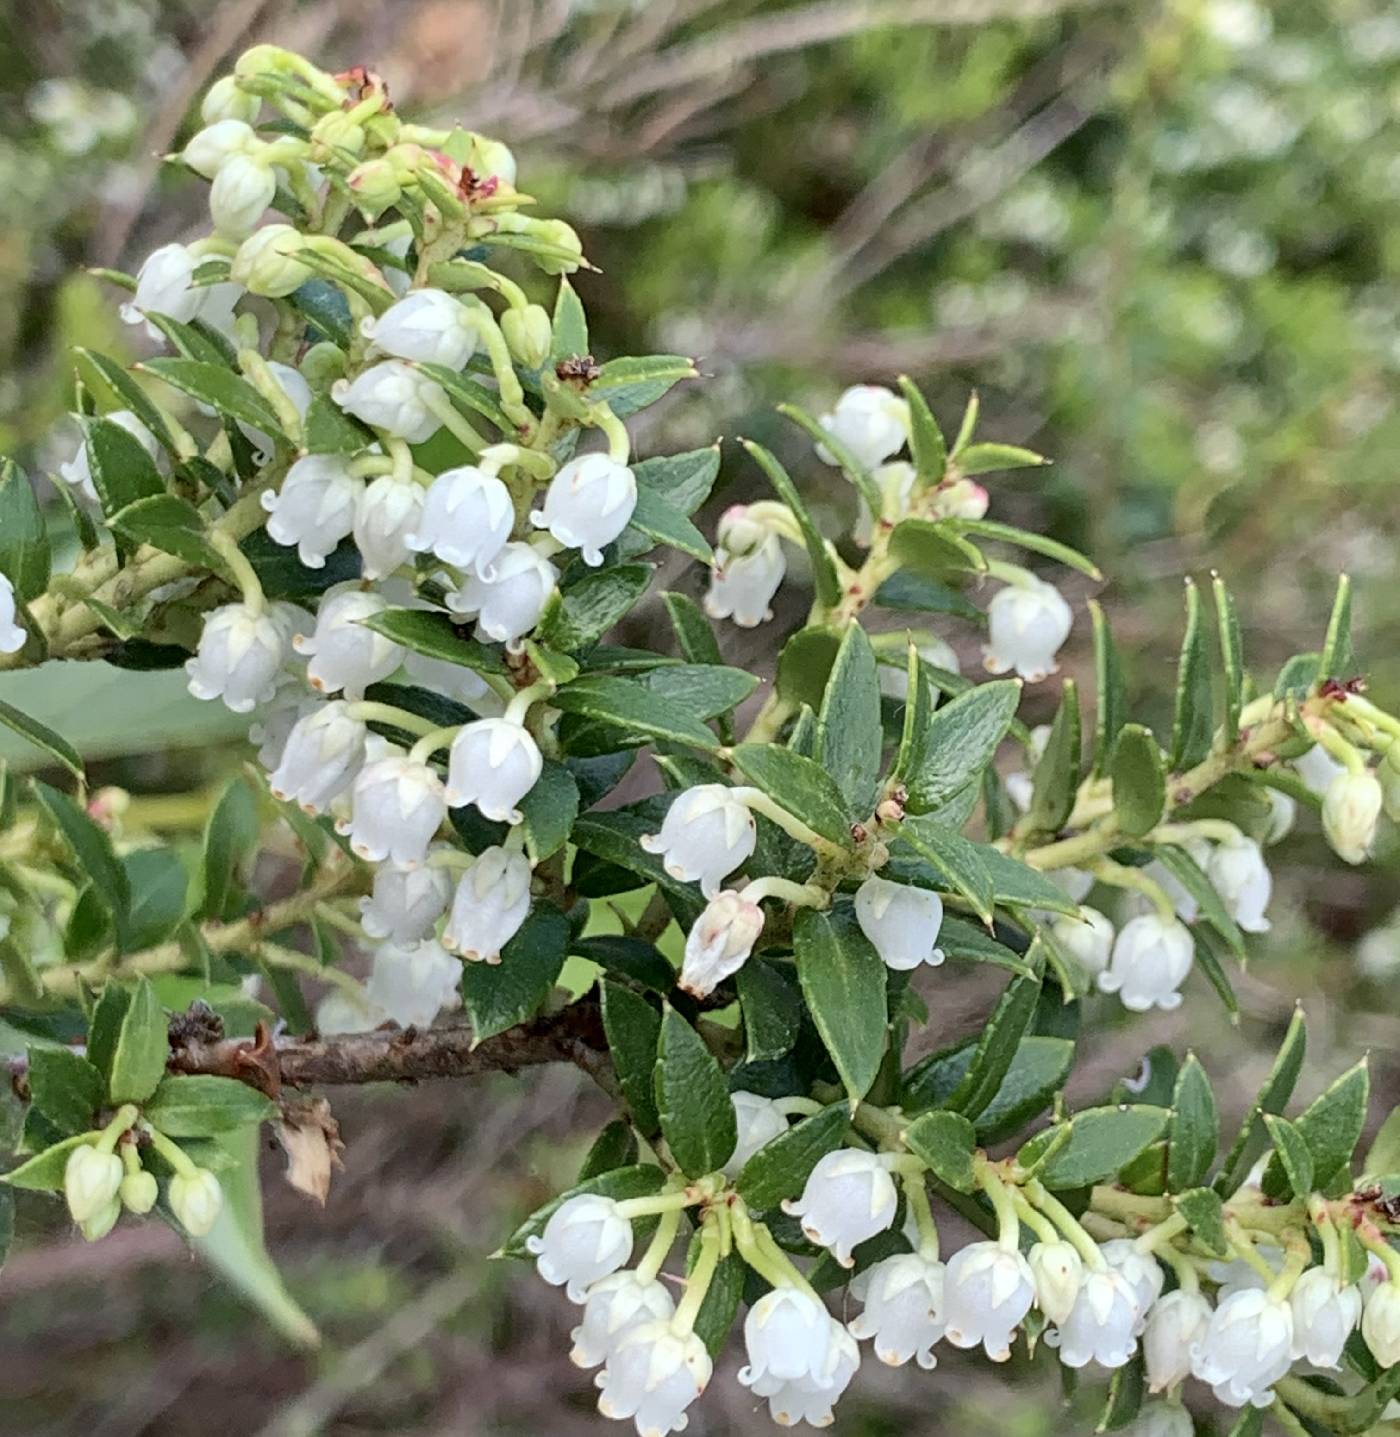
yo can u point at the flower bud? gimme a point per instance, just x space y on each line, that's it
1162 1419
963 499
12 637
896 484
211 148
1242 878
494 763
1351 809
509 604
653 1374
336 136
102 1222
412 982
320 759
706 834
267 263
562 237
1059 1272
346 654
466 519
1088 939
394 397
588 504
905 1311
315 507
405 903
719 942
757 1122
872 422
1174 1326
242 190
196 1200
1246 1347
1150 961
989 1290
742 586
738 533
386 516
241 650
849 1197
224 100
139 1192
490 159
901 921
1028 623
1380 1323
426 325
528 335
585 1239
91 1180
1325 1313
1100 1327
75 471
492 901
615 1305
396 808
375 186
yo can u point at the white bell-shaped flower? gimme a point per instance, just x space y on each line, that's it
494 763
872 422
589 502
896 483
719 942
1100 1326
894 678
1242 878
413 982
1142 1270
224 100
1059 1273
989 1290
428 325
1151 958
453 681
849 1197
742 586
508 606
1162 1419
242 190
1028 623
901 921
653 1375
90 1181
241 649
787 1336
320 759
1351 809
394 397
758 1121
904 1311
585 1239
1325 1313
387 513
706 834
163 286
396 807
1182 899
405 903
1246 1347
1088 939
1176 1323
812 1399
1317 768
615 1305
315 507
274 722
196 1200
1380 1323
1283 814
75 471
491 902
465 521
209 149
345 654
12 636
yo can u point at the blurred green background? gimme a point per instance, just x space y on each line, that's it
1159 241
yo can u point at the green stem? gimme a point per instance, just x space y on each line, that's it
240 570
1008 1225
1118 875
660 1246
697 1285
453 421
800 895
368 711
519 706
173 1153
756 800
916 1195
1068 1224
432 741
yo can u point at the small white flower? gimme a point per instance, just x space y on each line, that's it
1283 814
75 471
706 834
1162 1419
1325 1312
1242 878
1182 899
812 1399
139 1192
12 636
616 1305
243 188
1059 1273
275 722
412 982
1100 1326
387 513
787 1336
872 422
224 100
1351 809
989 1291
427 325
90 1181
742 585
405 903
1246 1347
315 507
491 902
241 650
267 263
585 1239
1143 1272
1028 623
345 653
320 759
719 942
904 1309
1317 768
901 922
653 1374
1151 958
196 1200
589 502
895 483
1380 1323
1088 939
210 149
163 287
396 808
453 681
465 521
894 678
508 606
849 1196
1176 1323
758 1121
494 763
394 397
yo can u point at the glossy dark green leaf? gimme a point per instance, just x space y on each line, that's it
24 541
683 480
170 524
122 471
91 847
1101 1142
694 634
614 1147
1108 683
128 394
328 429
138 1059
1057 772
957 858
1231 656
692 1099
230 840
856 473
633 958
1272 1098
44 1171
962 737
583 612
437 637
800 785
926 442
66 1088
919 703
772 1008
722 1297
946 1142
1187 872
634 382
1330 1127
927 596
1293 1158
497 996
200 1105
849 737
105 1025
1195 1131
1193 723
934 549
43 737
996 1048
626 704
633 1027
225 392
662 523
1125 1394
1139 781
549 810
780 1168
804 665
843 981
1383 1156
159 887
466 393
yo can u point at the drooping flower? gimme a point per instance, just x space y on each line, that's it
387 513
320 758
78 473
1242 878
1151 958
1351 810
1059 1273
1325 1313
240 656
585 1239
427 325
787 1336
397 805
465 521
1028 622
719 942
905 1312
989 1290
12 636
653 1374
758 1120
589 502
706 834
1175 1324
90 1181
1101 1325
1380 1323
405 903
508 605
494 763
394 397
196 1200
901 921
849 1196
346 654
614 1306
491 902
1088 939
1246 1347
315 507
243 188
412 982
872 422
749 566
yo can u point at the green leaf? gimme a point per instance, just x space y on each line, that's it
227 393
628 705
722 1297
41 736
926 442
44 1171
328 429
957 858
934 549
919 704
1383 1156
1108 681
327 309
692 1099
569 325
961 739
694 634
435 636
1193 723
1272 1098
200 1105
122 471
194 341
946 1142
996 1047
469 394
780 1168
91 847
1337 660
824 578
843 981
549 810
1231 656
911 591
772 1011
583 612
497 996
849 739
800 785
1037 1072
1203 1209
1101 1142
129 395
1195 1131
105 1026
1057 773
614 837
1209 962
24 542
1250 1423
1036 543
684 480
992 458
170 524
1292 1158
620 1184
1187 872
634 958
614 1147
663 523
65 1088
804 664
138 1061
636 381
1125 1393
857 475
230 839
1139 781
159 886
633 1028
1330 1127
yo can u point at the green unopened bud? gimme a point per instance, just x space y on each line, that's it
563 238
322 365
266 262
336 133
375 186
528 334
1059 1272
224 100
90 1181
1380 1324
139 1192
196 1200
490 159
1351 808
101 1223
